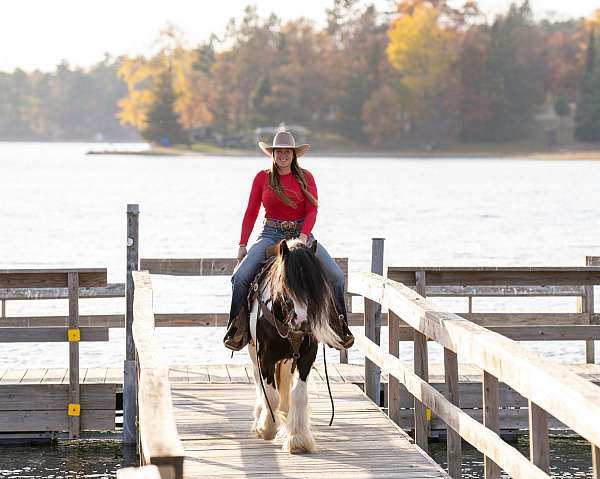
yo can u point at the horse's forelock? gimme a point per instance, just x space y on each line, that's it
304 279
298 275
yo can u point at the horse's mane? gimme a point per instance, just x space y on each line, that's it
297 273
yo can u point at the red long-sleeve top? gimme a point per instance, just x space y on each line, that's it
275 208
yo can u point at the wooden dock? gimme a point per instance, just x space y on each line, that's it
214 423
513 407
194 420
242 374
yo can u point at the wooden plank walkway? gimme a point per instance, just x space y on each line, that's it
242 374
214 420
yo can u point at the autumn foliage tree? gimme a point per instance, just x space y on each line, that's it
423 50
426 73
169 77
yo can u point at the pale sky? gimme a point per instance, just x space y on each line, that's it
38 34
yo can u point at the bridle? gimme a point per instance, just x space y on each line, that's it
294 336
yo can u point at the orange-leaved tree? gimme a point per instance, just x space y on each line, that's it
423 49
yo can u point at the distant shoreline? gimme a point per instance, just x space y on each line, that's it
499 153
524 150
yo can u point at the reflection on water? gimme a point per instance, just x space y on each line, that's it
569 457
80 459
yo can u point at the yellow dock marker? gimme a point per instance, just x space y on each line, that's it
74 335
74 409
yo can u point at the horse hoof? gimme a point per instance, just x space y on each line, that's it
266 433
297 444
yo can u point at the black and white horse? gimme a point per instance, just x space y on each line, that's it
289 316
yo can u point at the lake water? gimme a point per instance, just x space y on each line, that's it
61 208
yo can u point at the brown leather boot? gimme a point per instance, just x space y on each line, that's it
340 326
238 332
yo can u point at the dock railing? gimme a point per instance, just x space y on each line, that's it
550 388
213 267
158 440
512 282
49 407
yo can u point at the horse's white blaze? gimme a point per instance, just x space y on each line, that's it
301 312
299 438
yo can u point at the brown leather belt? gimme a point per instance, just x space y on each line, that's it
288 226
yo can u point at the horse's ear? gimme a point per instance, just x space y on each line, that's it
313 247
283 248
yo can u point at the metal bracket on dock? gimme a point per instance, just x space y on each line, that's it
74 409
74 335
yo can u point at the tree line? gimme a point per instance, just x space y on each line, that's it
423 73
65 105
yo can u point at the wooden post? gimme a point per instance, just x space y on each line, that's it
491 419
595 462
586 305
454 449
539 452
393 383
421 368
373 325
590 352
130 373
73 408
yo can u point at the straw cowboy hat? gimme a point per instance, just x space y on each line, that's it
283 139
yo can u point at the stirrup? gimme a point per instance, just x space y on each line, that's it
238 333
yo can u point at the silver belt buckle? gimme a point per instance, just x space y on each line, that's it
288 225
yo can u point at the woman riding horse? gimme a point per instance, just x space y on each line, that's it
289 196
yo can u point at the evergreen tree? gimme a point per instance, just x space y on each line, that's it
258 97
511 81
474 105
162 123
587 119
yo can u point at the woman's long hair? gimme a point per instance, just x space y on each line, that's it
298 173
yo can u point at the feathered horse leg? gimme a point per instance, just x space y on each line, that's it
268 421
256 372
299 437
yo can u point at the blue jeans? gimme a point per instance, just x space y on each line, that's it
251 263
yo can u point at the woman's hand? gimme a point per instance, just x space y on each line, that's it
303 238
241 253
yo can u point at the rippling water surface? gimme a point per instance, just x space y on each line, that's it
83 459
570 458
